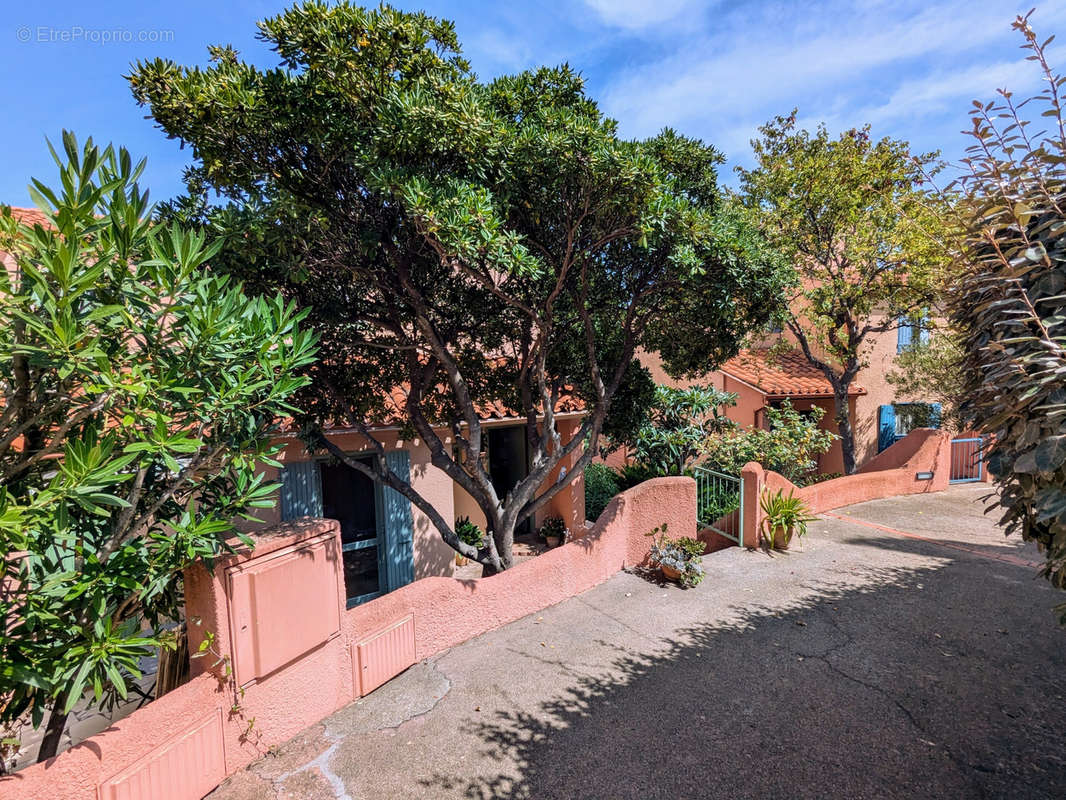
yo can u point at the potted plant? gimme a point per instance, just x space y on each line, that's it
677 559
553 531
784 516
468 533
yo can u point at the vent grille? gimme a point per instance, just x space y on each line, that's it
185 768
383 655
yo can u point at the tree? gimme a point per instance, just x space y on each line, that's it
931 369
855 220
458 243
1008 305
139 394
676 426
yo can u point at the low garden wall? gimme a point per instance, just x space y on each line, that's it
916 464
282 653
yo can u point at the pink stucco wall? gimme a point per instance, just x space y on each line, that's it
294 696
893 472
284 703
448 611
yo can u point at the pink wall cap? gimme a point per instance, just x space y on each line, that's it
278 536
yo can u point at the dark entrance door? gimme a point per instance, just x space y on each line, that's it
508 461
352 499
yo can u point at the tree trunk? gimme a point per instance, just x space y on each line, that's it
847 435
505 547
53 732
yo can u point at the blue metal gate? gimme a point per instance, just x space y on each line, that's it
967 460
720 503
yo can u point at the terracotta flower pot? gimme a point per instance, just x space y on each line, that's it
460 560
670 572
782 536
553 541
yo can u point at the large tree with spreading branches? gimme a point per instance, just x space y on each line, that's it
855 219
458 241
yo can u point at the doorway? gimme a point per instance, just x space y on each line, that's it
509 462
353 500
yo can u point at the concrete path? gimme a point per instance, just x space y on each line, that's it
904 649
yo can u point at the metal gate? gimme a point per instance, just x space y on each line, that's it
720 503
967 460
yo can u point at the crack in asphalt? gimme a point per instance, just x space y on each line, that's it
963 766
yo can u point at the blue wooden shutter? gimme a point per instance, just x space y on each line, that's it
399 525
886 427
904 336
936 416
301 490
923 330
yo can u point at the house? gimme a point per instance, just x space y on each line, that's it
386 542
774 369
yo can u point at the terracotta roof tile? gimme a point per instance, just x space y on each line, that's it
30 216
787 374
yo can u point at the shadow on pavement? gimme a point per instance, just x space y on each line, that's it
942 681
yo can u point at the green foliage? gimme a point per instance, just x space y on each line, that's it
601 485
468 532
857 223
632 474
682 555
821 477
675 426
790 446
933 370
553 526
692 548
715 501
139 395
427 219
1009 306
784 514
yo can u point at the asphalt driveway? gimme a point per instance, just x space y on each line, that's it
904 649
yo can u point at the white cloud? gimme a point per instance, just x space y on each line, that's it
777 58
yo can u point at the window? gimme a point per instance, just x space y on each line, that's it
377 529
911 331
896 420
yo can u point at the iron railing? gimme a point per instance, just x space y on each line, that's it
720 503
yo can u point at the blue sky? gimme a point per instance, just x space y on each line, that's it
713 69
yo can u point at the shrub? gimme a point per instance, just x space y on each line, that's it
601 485
790 447
1008 308
676 424
468 532
632 474
139 394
